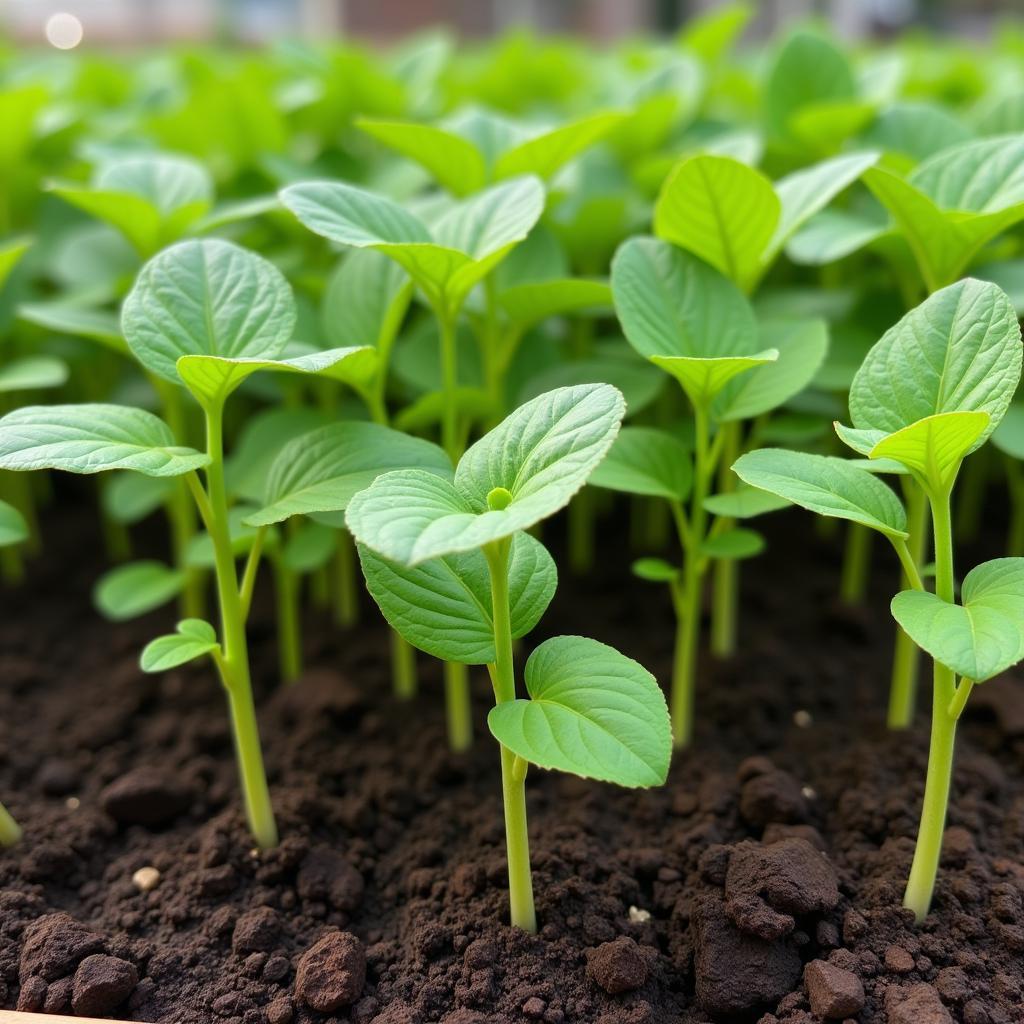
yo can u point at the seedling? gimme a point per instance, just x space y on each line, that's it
688 319
452 570
446 260
204 316
930 392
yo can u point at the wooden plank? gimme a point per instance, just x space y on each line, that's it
17 1017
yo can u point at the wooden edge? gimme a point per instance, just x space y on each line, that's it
18 1017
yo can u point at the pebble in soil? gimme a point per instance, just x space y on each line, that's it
762 884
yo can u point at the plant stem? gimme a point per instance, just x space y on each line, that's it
346 593
856 565
1015 535
403 668
581 532
234 665
12 566
513 782
725 587
458 706
906 655
289 643
959 701
687 598
449 385
10 830
921 883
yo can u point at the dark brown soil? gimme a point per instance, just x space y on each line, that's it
763 883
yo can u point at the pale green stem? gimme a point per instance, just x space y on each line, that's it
289 643
234 664
582 521
346 592
403 667
10 830
449 385
853 584
458 706
959 701
923 871
906 654
252 565
725 585
513 778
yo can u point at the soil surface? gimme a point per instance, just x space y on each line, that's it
763 883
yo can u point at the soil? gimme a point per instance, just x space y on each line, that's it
763 883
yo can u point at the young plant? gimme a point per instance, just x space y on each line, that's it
688 319
446 260
931 391
204 316
452 570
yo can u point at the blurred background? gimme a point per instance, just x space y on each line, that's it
66 23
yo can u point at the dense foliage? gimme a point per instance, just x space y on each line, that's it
433 282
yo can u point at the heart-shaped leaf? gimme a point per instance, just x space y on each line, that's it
523 471
979 638
645 460
207 298
592 712
136 588
443 606
194 638
826 485
321 471
92 438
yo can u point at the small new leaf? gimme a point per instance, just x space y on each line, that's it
193 639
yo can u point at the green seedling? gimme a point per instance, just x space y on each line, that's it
446 260
13 530
450 565
693 323
931 391
204 316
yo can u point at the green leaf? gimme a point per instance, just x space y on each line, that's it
540 456
321 471
655 570
136 588
648 461
33 373
92 438
744 503
533 301
592 712
365 301
979 638
545 153
804 193
834 234
211 379
11 251
826 485
76 321
1009 435
443 606
711 33
193 639
808 69
447 261
959 351
722 211
679 312
703 378
13 528
934 447
733 545
311 546
453 161
130 497
801 346
210 298
916 130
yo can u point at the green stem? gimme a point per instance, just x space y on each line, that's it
923 871
959 701
856 565
458 706
12 566
449 384
403 667
725 592
289 643
10 830
513 781
581 532
346 593
234 664
906 654
1015 536
687 596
